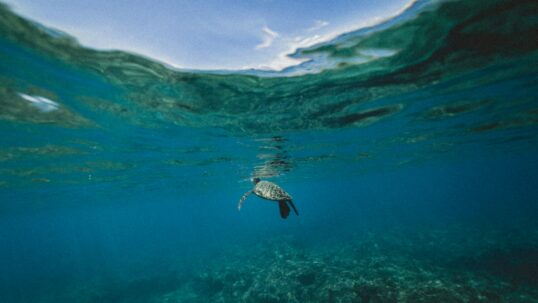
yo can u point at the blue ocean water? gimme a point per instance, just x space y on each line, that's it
410 150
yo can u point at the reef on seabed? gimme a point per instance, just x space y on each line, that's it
456 265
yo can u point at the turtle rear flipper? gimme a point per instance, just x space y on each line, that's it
293 206
284 209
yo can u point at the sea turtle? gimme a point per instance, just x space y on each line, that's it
270 191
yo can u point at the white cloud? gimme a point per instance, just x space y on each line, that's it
268 38
317 25
307 41
43 104
283 60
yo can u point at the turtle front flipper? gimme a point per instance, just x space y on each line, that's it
243 198
293 206
284 209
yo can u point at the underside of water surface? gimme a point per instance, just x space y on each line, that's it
410 149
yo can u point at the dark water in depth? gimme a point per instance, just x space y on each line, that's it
410 149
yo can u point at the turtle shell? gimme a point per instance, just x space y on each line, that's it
271 191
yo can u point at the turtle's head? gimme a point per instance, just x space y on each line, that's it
255 180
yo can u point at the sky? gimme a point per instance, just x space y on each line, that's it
207 34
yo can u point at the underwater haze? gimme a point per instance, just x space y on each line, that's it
410 149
